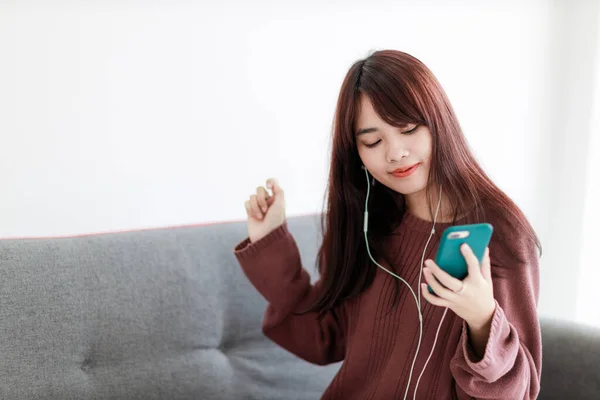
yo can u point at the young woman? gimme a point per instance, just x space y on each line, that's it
399 151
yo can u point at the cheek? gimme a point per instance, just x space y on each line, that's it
423 151
369 158
364 159
375 166
421 144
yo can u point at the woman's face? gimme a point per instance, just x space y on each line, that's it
398 158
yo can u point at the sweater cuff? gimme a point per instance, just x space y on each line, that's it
491 347
273 266
246 249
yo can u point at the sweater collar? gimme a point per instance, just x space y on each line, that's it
413 223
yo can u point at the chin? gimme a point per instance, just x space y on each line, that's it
410 192
407 188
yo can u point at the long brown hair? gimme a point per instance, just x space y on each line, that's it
403 91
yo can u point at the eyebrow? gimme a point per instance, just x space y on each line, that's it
366 130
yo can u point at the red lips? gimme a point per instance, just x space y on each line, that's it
406 171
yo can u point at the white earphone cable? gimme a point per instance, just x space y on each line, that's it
417 299
430 353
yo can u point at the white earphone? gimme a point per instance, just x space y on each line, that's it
417 299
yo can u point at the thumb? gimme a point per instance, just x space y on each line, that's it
273 184
472 261
486 265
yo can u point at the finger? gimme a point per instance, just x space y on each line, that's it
255 207
439 290
438 301
273 184
248 208
261 196
445 278
486 265
471 259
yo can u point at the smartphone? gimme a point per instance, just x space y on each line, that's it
449 257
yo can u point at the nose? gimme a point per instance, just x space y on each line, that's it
396 151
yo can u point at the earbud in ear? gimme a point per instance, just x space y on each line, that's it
363 166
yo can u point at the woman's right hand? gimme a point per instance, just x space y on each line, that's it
265 212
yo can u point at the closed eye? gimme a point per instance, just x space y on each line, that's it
413 130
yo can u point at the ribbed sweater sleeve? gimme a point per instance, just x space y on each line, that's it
273 266
511 365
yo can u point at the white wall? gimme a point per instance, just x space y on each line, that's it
567 160
589 297
129 115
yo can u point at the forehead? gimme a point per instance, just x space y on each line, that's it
367 117
366 111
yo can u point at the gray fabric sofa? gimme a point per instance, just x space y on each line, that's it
168 314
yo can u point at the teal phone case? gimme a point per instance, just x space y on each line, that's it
449 256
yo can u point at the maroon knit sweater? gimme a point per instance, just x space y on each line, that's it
377 347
